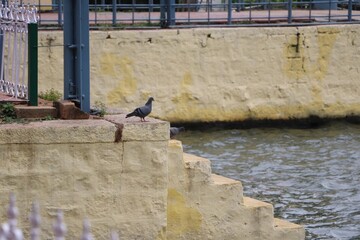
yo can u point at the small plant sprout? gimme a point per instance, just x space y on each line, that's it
50 95
99 109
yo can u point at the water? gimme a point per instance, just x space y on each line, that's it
311 176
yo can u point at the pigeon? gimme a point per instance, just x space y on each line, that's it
143 111
175 131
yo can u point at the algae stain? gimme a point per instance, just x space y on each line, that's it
326 40
181 219
162 234
295 64
317 97
108 64
187 80
184 98
127 85
185 102
191 108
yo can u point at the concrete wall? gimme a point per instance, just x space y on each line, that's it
89 170
125 175
216 74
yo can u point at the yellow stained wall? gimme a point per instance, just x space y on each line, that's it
220 74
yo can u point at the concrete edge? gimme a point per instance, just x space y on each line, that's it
132 129
58 131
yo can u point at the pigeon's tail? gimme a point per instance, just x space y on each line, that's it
130 114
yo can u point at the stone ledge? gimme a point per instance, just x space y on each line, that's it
221 180
35 112
280 223
58 131
288 230
132 129
254 203
198 167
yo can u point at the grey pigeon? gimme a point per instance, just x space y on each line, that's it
143 111
175 131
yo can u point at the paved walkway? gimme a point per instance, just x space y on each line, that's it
7 98
216 17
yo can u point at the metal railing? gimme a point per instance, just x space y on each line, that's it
14 20
10 231
193 13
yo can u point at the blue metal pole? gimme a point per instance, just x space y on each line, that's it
162 13
289 11
151 3
113 12
76 53
350 10
171 13
59 13
69 71
229 12
83 65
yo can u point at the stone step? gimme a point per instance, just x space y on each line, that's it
288 230
261 212
198 168
221 180
220 200
254 203
228 188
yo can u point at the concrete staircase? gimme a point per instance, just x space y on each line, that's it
215 205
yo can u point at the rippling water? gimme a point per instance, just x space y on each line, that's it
311 176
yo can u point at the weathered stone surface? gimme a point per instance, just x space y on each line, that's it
287 230
234 75
132 129
58 131
118 186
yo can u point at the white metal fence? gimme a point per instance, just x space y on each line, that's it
10 231
14 18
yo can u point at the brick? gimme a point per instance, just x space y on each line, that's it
67 110
35 112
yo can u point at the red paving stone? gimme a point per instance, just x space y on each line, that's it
7 98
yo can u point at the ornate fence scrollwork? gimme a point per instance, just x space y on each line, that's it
14 18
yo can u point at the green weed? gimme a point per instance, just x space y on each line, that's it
7 113
50 95
99 108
